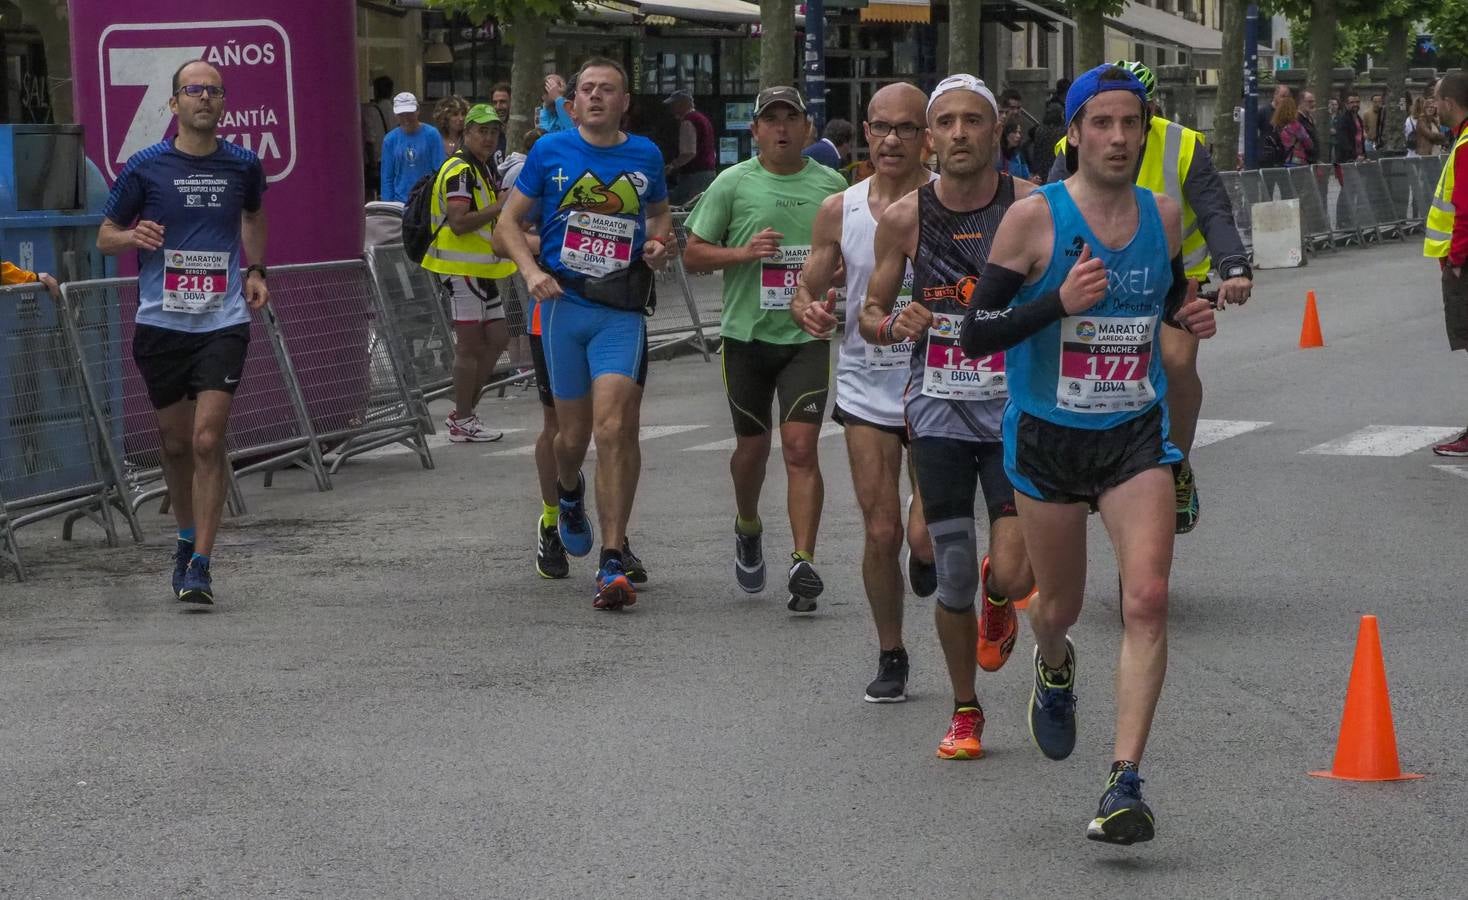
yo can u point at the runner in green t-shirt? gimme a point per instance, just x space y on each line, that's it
755 223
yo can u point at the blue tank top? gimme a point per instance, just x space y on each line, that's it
1104 366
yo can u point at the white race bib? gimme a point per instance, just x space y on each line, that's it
950 374
195 281
779 275
1104 363
597 244
898 355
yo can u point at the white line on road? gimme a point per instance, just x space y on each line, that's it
1211 431
1385 440
827 430
645 434
1460 471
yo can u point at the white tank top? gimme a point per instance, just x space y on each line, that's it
870 379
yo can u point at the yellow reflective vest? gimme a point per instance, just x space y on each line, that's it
463 254
1439 226
1166 160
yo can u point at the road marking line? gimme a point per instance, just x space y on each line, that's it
645 434
1211 431
1460 471
1385 440
827 430
436 441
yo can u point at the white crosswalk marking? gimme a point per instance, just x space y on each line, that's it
827 430
1385 440
646 433
1460 471
436 440
1211 431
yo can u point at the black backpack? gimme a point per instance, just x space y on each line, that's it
1271 148
418 230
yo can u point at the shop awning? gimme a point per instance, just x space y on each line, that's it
920 11
1163 29
724 12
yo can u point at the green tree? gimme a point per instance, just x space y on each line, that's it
524 24
777 45
1230 84
1090 17
1448 25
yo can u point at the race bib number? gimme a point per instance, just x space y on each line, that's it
779 275
597 244
951 375
195 281
1104 363
894 356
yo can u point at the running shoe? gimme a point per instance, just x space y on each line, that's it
196 586
181 557
636 571
1123 817
577 535
749 562
890 685
922 576
469 430
998 626
1458 446
1053 707
613 589
962 739
550 554
805 585
1185 489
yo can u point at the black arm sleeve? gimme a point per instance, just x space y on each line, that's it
992 324
1175 294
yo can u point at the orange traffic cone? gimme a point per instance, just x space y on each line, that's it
1310 329
1367 747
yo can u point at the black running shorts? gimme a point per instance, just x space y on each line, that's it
178 365
950 472
1059 464
755 371
846 420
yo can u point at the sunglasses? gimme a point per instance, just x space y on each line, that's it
213 91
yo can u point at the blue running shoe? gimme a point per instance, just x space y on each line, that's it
577 535
181 557
1123 817
614 589
1053 707
196 586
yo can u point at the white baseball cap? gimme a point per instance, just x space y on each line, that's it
963 82
404 103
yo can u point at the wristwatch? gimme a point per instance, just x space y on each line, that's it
1237 270
257 267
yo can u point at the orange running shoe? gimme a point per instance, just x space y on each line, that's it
998 626
962 739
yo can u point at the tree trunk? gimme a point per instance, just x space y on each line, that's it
1230 85
49 18
1393 132
965 37
527 75
1090 38
1322 49
777 46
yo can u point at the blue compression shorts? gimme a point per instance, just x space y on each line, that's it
584 341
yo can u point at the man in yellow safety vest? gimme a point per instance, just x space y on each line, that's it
1447 227
1175 161
464 208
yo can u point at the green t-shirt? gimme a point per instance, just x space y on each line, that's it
743 201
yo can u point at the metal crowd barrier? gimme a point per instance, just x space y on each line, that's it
55 453
413 304
9 549
675 326
517 367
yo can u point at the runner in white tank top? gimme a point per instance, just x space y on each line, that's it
870 381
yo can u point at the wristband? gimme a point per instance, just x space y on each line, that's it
256 267
884 331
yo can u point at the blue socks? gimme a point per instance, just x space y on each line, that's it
186 535
201 559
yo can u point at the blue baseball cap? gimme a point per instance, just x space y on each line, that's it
1090 84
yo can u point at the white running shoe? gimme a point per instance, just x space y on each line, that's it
469 430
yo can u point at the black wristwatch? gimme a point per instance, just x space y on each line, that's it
1237 270
257 267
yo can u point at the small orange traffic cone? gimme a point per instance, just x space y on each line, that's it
1310 329
1367 747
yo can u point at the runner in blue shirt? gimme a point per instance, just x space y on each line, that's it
601 204
192 210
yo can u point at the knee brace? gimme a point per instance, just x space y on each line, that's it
955 556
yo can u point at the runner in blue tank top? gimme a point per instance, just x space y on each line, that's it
1077 284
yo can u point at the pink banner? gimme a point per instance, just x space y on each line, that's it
289 70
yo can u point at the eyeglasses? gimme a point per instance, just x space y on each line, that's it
905 132
214 91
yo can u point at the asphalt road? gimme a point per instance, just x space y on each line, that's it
388 702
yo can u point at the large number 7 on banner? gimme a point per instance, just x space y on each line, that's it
151 68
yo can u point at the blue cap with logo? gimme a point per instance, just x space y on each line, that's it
1090 84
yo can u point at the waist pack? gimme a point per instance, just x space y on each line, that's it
629 289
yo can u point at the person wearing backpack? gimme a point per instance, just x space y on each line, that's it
463 206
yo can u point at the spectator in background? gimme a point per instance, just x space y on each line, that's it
693 169
1294 139
1307 119
448 118
499 98
1045 136
1373 120
1011 103
1265 126
1332 110
1350 130
1423 130
553 113
409 152
12 274
834 148
510 168
1062 87
1011 157
376 114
